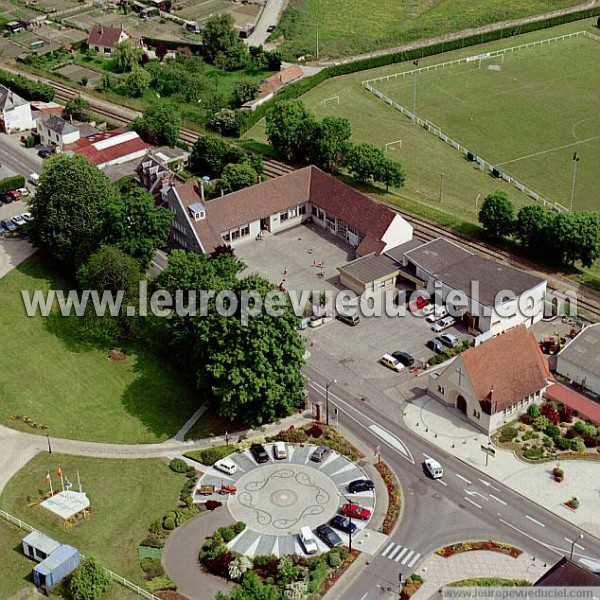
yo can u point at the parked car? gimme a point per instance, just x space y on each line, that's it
355 511
436 345
2 230
259 453
15 195
418 304
360 485
279 450
427 310
404 357
319 454
23 191
329 536
449 340
27 216
6 198
391 363
18 220
443 324
438 313
44 153
343 524
8 224
270 28
350 318
226 465
435 469
34 178
308 540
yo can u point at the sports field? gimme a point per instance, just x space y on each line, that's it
526 111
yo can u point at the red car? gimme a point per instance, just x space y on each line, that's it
419 304
16 195
355 511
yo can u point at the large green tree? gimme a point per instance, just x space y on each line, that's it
136 225
68 208
331 143
220 37
576 237
78 108
243 92
89 581
365 161
497 215
211 153
235 177
137 82
532 228
160 124
110 269
390 173
290 129
126 55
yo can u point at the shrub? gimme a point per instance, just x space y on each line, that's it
507 434
168 523
164 582
558 472
152 541
562 443
190 471
533 411
212 504
316 577
552 430
209 456
541 422
571 433
334 560
152 567
89 580
238 527
580 426
549 411
178 465
292 436
547 442
220 564
266 566
566 414
314 431
591 442
226 534
527 419
534 453
212 548
156 527
578 445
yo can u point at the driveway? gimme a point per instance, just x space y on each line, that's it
269 16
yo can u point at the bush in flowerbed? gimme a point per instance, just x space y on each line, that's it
552 431
549 410
394 497
541 423
572 503
562 443
314 431
578 445
220 564
152 541
489 545
566 414
508 434
164 582
558 473
209 456
266 565
152 567
213 504
534 453
526 419
178 465
292 435
533 411
413 583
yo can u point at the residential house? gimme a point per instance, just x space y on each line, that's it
275 82
15 112
57 132
154 173
105 39
495 382
567 573
281 203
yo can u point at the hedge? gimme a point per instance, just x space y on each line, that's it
209 456
299 88
11 183
30 90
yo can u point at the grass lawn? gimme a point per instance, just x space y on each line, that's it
126 497
349 27
56 380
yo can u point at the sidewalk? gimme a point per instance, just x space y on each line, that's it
446 428
438 571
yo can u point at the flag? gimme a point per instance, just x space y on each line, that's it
59 471
47 480
68 484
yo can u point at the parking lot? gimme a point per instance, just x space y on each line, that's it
298 252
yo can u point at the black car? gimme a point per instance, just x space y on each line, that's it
270 28
44 153
343 524
405 358
329 536
8 225
436 345
259 453
6 198
351 319
360 485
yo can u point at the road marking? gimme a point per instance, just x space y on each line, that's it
363 597
464 479
407 557
399 556
414 560
497 499
486 483
578 545
535 521
427 456
471 501
476 494
390 439
442 482
388 549
559 552
394 552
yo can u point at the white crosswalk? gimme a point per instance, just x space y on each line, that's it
401 555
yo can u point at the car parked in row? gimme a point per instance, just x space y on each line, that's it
356 511
343 524
18 220
329 536
308 540
443 324
259 453
449 340
436 345
6 198
391 363
23 191
44 153
27 216
319 454
226 465
360 485
279 451
8 225
404 357
439 312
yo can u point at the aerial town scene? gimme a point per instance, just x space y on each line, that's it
299 299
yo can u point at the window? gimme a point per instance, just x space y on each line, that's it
302 209
226 237
245 230
330 220
441 390
476 413
235 235
283 216
313 211
293 212
320 214
352 230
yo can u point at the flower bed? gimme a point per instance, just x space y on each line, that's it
394 497
489 582
411 586
490 545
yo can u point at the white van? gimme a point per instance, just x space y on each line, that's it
226 465
34 178
279 450
389 361
309 541
435 469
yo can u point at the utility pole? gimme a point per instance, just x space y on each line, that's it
416 63
317 49
441 186
327 386
575 161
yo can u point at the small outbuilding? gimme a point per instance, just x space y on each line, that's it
52 570
39 546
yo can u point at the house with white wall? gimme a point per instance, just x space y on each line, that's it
15 112
56 132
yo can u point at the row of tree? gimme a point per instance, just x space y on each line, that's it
294 131
555 237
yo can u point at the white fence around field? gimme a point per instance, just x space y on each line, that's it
437 131
124 582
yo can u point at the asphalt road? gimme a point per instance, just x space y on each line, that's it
18 159
463 505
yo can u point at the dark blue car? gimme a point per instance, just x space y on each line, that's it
343 524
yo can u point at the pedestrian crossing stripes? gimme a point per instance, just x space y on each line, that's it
401 555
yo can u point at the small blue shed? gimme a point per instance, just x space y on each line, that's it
52 570
38 545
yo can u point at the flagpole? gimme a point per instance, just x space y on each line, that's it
49 482
78 481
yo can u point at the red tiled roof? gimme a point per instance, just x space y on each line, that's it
98 155
507 368
278 80
584 406
309 184
104 36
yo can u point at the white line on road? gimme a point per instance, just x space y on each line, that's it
578 545
388 549
535 521
497 499
561 553
394 552
365 595
471 501
486 483
415 558
397 559
464 479
442 482
427 456
390 439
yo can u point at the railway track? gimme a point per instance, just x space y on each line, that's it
588 299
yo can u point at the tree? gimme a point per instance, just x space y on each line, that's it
159 124
497 215
89 581
137 82
235 177
110 269
126 55
576 237
243 92
390 173
68 208
227 121
252 588
533 226
210 154
331 143
365 161
78 108
136 225
290 129
219 37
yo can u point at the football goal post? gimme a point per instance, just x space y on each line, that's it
393 145
334 100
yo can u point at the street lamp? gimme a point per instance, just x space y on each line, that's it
573 544
327 386
416 63
575 161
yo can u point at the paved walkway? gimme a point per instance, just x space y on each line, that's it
448 429
438 571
